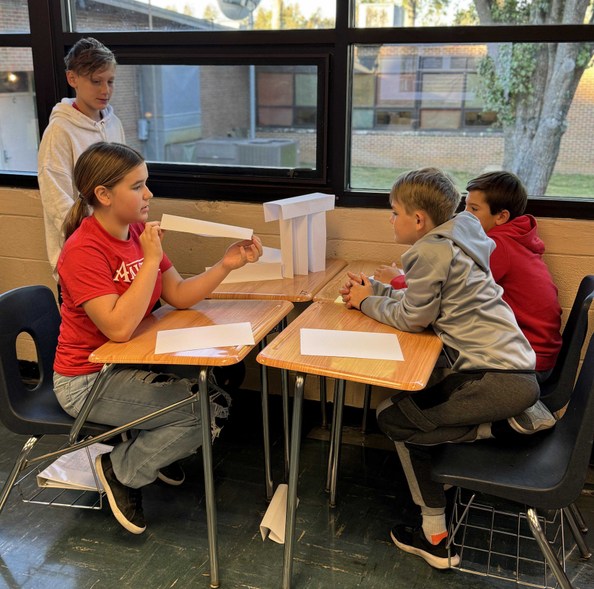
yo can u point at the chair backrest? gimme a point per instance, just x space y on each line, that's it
573 434
32 310
556 390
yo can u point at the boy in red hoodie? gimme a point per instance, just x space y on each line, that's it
498 200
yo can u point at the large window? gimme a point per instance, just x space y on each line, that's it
257 99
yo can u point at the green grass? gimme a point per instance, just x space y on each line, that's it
561 185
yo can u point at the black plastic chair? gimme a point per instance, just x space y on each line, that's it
32 409
546 472
556 390
28 409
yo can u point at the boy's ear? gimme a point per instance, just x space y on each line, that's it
502 217
103 195
422 221
71 78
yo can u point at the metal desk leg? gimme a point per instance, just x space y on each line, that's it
285 396
323 401
331 438
339 402
211 513
293 478
266 428
366 404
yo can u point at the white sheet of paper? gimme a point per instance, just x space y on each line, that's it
316 244
275 518
199 338
74 470
271 255
300 247
350 344
287 246
298 206
255 272
204 228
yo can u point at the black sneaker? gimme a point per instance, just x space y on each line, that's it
413 541
173 474
125 502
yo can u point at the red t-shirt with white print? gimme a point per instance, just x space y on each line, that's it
92 264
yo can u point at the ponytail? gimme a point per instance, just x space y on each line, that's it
75 217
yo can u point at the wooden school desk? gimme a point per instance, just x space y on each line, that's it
420 351
140 349
300 289
329 294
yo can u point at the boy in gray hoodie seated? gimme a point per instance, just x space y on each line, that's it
451 289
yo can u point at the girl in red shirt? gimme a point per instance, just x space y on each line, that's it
112 270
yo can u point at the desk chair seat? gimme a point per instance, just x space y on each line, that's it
31 409
545 472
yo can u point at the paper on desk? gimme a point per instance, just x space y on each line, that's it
199 338
350 344
268 267
74 470
204 228
275 518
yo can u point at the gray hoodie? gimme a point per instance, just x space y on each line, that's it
68 134
450 288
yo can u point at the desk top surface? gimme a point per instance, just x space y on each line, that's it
329 292
420 350
140 349
299 289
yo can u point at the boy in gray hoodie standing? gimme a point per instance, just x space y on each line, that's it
451 289
75 124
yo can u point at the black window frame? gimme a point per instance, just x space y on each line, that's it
333 48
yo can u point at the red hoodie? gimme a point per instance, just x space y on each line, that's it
517 266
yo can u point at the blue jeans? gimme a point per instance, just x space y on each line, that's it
128 393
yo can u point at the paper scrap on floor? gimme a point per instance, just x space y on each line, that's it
204 228
274 520
350 344
74 470
200 338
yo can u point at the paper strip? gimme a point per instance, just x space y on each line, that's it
204 228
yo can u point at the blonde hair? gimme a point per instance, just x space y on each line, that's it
427 189
101 164
87 56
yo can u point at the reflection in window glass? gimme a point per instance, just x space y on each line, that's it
19 137
395 13
14 16
181 15
471 108
237 115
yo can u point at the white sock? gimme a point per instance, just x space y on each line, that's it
434 527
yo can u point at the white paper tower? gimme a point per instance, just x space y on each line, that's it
302 221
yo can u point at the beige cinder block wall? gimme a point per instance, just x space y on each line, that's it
352 234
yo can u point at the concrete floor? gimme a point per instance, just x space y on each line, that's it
348 546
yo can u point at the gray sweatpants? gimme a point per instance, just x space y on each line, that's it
450 409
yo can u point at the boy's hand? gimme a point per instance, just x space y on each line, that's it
386 274
240 253
356 289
